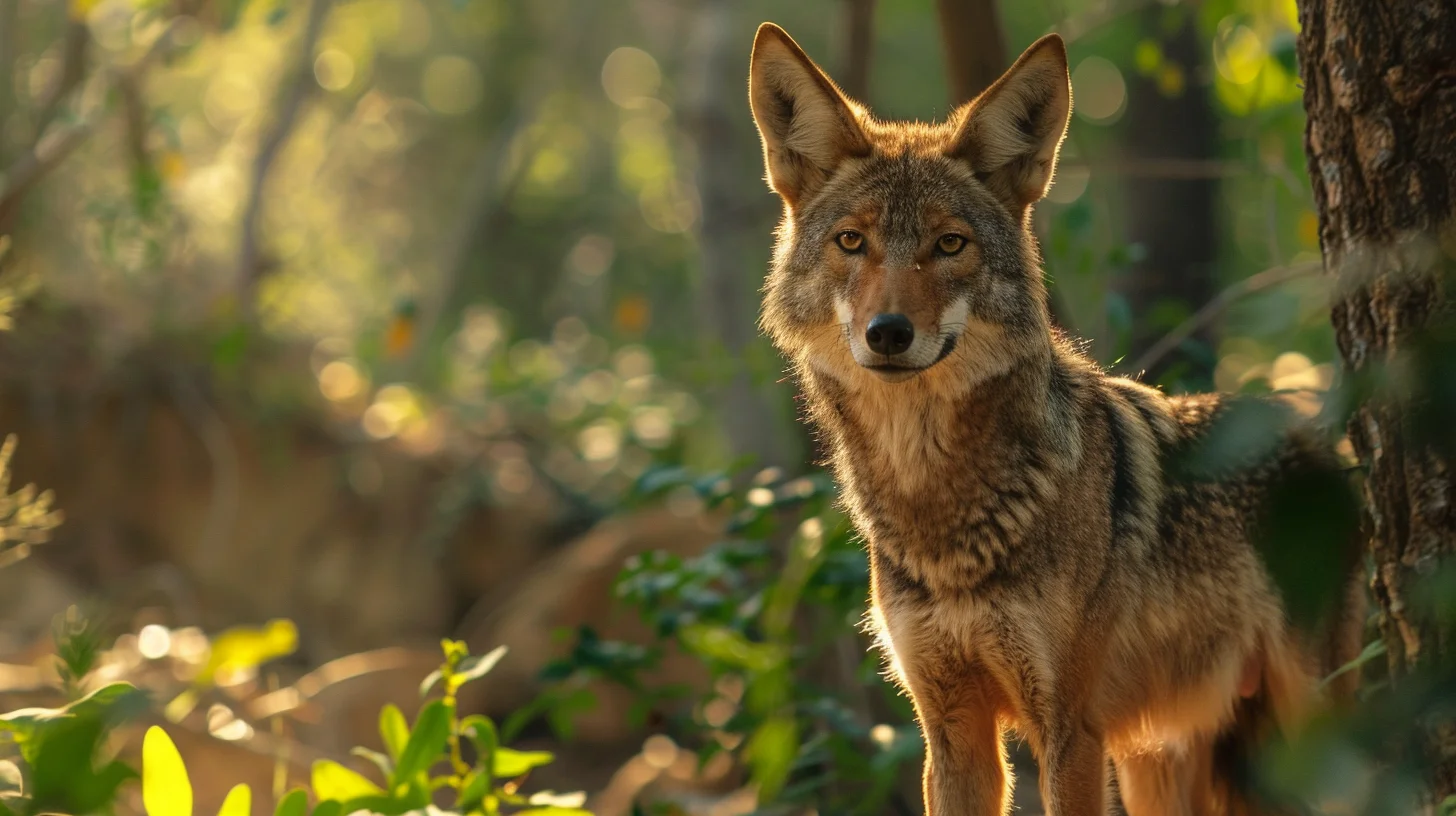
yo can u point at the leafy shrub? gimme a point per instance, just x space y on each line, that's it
772 612
58 747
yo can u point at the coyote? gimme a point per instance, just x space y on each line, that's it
1039 560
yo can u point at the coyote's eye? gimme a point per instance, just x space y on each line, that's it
850 241
950 244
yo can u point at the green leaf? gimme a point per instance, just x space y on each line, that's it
229 349
25 722
166 790
333 781
295 803
329 807
477 785
10 778
429 682
1372 650
64 776
771 752
482 733
472 668
380 761
393 730
426 742
239 802
510 763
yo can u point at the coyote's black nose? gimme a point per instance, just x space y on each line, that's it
890 334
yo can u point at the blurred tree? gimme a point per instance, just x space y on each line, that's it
859 38
1173 218
975 47
728 288
1381 146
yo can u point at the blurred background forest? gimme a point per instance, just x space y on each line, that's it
410 319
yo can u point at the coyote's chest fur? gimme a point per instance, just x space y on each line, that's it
1037 549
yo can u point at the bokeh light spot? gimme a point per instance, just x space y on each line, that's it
630 74
452 85
1099 90
333 69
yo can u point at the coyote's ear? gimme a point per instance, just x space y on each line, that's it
1011 133
808 126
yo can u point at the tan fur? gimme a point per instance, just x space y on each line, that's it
1041 558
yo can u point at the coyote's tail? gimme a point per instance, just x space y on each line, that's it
1283 703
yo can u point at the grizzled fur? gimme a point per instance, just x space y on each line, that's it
1040 560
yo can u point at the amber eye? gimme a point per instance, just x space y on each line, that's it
950 244
850 241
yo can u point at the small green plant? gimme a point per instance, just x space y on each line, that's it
60 763
771 611
419 762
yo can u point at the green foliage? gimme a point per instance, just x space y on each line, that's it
60 770
766 610
421 760
61 763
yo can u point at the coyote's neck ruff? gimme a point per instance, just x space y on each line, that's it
1040 558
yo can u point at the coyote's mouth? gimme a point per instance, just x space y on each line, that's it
895 372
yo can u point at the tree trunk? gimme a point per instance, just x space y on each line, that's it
975 49
1174 219
859 40
1380 93
727 306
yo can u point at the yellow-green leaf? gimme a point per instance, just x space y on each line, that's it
239 802
426 742
333 781
246 647
393 730
165 788
511 763
294 804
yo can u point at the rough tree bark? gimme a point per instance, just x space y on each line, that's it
1380 93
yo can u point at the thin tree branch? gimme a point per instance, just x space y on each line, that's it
1267 279
36 164
294 88
1169 169
58 143
291 698
73 72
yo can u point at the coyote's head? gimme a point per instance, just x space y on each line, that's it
905 248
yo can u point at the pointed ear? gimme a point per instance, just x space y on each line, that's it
1011 133
808 126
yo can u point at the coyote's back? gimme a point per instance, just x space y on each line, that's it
1053 549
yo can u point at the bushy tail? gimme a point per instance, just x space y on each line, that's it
1283 703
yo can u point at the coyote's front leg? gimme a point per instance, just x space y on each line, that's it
965 758
1073 768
